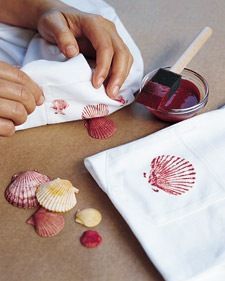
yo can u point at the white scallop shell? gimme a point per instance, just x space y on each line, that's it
21 191
89 217
92 111
57 195
172 174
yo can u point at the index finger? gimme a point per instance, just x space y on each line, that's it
16 75
102 43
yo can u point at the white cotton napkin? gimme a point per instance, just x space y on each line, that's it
183 235
66 83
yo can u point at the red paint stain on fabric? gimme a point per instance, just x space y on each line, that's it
171 174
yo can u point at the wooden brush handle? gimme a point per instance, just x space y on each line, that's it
192 50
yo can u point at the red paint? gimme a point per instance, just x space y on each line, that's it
90 239
171 174
121 100
154 97
153 94
187 95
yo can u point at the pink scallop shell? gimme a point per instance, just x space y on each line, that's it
59 106
171 174
100 128
46 223
21 191
91 111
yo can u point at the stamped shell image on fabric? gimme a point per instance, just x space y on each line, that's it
93 111
59 106
172 174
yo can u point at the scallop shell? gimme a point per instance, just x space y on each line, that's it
89 217
57 195
100 128
46 223
92 111
172 174
21 191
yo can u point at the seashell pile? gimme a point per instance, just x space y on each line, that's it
46 223
89 217
29 189
57 195
21 191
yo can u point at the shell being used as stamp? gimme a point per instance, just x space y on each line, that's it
100 128
59 106
21 191
92 111
46 223
89 217
171 174
57 195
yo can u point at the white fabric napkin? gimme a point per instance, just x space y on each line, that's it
66 83
182 231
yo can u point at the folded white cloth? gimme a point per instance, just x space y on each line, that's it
66 83
170 189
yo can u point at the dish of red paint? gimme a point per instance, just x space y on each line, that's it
188 99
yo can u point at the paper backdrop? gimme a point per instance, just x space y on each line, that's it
67 83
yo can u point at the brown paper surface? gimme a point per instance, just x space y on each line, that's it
162 29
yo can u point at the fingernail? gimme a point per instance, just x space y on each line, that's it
41 100
71 51
115 91
100 81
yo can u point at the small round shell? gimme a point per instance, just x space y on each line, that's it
57 195
89 217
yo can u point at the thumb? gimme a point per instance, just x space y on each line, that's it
55 25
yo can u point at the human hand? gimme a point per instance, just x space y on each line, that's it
94 36
19 96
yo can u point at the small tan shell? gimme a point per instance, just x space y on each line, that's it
89 217
57 195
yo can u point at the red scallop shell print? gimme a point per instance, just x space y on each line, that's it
93 111
59 106
171 174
